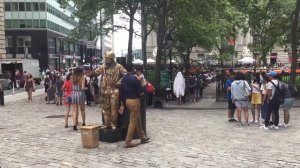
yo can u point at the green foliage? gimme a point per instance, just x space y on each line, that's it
268 22
208 24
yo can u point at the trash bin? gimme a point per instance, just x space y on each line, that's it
90 136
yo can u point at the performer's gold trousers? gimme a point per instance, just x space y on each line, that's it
110 106
133 106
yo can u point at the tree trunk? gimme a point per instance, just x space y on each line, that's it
129 52
263 58
144 36
161 16
294 43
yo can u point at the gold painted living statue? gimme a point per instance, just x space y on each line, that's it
111 75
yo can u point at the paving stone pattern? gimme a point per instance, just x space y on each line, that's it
179 138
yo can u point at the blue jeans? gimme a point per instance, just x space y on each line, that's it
264 110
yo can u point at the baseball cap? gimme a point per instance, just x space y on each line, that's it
272 73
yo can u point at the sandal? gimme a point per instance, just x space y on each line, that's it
130 145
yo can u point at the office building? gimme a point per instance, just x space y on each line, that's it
2 32
38 29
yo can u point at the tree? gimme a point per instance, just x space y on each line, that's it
267 21
87 12
206 24
295 42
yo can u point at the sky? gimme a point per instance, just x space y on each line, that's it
121 36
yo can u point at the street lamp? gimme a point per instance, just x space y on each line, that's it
169 40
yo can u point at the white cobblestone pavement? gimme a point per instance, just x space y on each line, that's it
179 138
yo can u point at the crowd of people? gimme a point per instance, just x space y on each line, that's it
189 86
266 94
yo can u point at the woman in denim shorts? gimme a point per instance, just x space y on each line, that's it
239 90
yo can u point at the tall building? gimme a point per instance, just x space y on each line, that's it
38 29
2 32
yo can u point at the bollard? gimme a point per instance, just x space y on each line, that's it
13 85
1 97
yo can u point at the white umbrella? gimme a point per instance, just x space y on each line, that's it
138 61
150 61
247 60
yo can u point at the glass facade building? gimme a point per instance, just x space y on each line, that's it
38 29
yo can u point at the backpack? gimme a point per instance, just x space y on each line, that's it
293 89
150 88
278 94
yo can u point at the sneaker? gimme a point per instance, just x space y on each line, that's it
230 120
234 120
275 127
284 125
240 124
264 127
252 121
256 121
262 123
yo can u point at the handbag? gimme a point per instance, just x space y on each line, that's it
247 93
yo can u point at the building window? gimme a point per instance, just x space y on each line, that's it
42 6
7 6
22 23
16 23
51 45
35 6
58 45
66 46
21 6
8 23
35 24
43 23
71 47
76 48
8 41
29 23
28 6
24 41
14 6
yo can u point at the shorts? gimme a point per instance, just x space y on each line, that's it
256 98
231 105
241 103
288 103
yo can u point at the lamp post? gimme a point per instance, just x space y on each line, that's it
169 42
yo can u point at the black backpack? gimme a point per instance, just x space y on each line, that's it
293 89
278 94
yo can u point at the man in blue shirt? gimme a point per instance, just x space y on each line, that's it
131 89
231 105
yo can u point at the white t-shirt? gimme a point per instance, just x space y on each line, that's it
263 88
271 86
255 88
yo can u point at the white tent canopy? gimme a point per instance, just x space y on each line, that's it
247 60
150 61
138 61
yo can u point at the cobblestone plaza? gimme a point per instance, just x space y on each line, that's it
180 137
